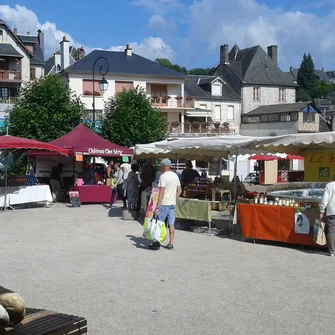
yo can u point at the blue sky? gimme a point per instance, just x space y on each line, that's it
189 32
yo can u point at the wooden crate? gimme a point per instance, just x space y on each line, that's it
42 322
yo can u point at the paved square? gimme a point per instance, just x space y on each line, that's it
80 261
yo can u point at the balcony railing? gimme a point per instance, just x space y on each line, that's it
10 75
176 128
167 102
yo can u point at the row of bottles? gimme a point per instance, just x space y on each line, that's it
262 199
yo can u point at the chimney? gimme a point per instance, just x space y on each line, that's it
224 59
273 53
333 122
40 36
80 53
58 65
128 50
28 33
65 53
15 31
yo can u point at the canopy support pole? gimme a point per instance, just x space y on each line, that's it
232 223
4 208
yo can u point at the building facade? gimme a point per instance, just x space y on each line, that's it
126 70
21 59
255 76
217 107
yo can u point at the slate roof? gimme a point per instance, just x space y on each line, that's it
9 50
50 62
279 108
199 91
254 66
321 74
120 63
37 57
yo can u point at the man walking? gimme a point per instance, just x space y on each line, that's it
328 204
169 192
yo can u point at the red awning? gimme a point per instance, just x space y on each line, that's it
291 157
273 158
8 142
264 158
82 140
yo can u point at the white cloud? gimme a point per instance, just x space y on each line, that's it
248 23
157 21
26 20
150 47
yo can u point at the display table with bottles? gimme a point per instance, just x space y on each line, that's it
288 222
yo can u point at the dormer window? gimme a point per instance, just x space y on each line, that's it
216 89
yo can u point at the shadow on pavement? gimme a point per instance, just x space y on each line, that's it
139 242
301 248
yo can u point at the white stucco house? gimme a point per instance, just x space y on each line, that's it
215 104
126 70
21 59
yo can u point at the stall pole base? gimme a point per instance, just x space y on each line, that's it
4 208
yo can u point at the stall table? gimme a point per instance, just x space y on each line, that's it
17 195
271 223
194 209
94 193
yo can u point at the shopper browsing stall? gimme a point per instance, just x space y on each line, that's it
147 177
132 187
56 181
118 186
188 175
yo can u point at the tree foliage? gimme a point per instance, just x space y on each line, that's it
131 119
196 71
306 76
302 95
165 62
46 110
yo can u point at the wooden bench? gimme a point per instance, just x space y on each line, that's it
42 322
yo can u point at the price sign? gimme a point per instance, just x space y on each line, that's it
74 198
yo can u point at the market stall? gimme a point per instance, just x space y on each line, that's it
202 195
271 169
83 145
16 190
287 224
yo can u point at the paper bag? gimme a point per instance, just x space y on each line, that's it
319 233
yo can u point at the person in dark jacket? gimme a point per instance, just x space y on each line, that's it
188 175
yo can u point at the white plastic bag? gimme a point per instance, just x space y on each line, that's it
155 230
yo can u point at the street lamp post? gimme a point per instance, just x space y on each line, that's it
103 83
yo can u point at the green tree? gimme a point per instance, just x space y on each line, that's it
46 110
130 119
306 76
324 88
202 71
165 62
302 95
196 71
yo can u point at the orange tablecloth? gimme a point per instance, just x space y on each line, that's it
272 223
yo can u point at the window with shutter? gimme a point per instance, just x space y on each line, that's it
123 85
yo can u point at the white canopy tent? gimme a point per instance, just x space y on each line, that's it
198 148
297 143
